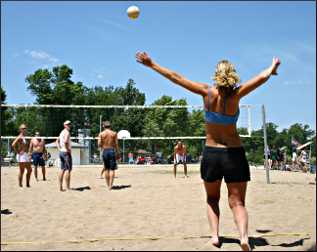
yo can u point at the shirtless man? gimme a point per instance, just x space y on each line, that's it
108 142
38 150
65 155
20 147
180 157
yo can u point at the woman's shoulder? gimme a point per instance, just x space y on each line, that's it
213 90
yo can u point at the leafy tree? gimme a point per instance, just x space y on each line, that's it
7 121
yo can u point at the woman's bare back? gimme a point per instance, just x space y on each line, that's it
221 135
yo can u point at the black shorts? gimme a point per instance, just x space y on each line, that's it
230 163
109 159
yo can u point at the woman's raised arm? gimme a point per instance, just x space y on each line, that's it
195 87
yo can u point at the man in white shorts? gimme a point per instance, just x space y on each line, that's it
294 159
20 147
65 155
180 157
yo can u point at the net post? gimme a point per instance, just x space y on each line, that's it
123 151
100 127
249 121
265 146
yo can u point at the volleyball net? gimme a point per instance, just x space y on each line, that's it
154 129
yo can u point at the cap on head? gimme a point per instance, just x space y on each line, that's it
106 124
37 133
67 122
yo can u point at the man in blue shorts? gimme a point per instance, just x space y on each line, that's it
108 142
38 150
65 155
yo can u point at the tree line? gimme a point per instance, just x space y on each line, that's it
57 87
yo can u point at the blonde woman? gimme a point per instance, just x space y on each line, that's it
224 156
20 147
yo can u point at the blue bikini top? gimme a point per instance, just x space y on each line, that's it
220 118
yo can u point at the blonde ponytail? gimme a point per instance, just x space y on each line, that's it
226 77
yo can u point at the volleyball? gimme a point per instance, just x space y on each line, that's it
133 12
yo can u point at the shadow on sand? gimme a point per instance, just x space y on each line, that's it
292 244
259 242
82 188
119 187
6 211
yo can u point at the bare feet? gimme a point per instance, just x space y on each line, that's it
215 241
245 245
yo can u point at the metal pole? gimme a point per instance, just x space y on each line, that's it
8 147
100 127
265 146
309 158
249 121
123 151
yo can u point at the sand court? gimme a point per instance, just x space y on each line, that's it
149 209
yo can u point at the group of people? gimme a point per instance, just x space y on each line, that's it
277 159
300 160
223 156
35 151
107 141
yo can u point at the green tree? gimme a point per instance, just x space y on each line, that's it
56 87
8 127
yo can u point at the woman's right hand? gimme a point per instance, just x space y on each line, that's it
275 64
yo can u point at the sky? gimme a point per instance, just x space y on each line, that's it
98 41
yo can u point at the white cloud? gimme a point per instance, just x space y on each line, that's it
40 55
100 76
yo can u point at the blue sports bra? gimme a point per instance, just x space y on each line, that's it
220 118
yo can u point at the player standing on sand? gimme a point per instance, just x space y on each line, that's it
65 155
180 153
224 155
38 150
20 147
108 142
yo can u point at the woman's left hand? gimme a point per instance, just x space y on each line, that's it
275 64
144 58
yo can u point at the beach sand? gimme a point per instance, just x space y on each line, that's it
151 210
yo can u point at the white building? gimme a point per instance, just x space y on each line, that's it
80 153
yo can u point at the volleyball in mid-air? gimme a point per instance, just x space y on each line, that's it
133 12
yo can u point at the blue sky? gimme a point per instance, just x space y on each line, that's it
98 41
